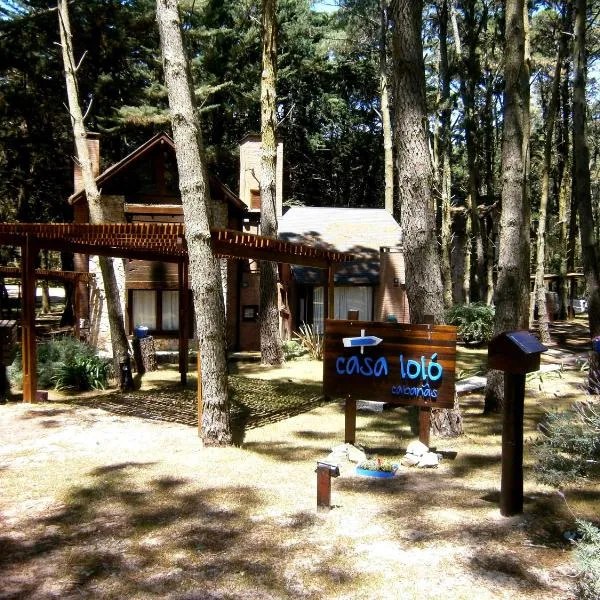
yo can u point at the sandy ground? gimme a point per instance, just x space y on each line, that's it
100 505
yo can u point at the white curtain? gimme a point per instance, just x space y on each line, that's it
170 310
318 309
144 308
358 298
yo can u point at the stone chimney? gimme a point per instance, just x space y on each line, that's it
93 144
249 191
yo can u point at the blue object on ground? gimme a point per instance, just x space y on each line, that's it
141 331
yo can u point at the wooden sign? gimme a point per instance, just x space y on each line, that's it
412 365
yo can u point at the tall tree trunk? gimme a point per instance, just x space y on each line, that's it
204 268
491 227
386 123
540 287
564 174
474 255
119 341
512 288
581 159
445 155
416 202
271 349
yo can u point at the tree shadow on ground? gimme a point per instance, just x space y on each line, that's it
122 536
254 403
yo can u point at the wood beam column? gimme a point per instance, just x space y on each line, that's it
182 277
331 291
28 253
76 308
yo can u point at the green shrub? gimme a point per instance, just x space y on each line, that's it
311 340
569 445
56 356
587 557
82 373
474 322
293 349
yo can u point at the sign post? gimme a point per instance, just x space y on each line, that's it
408 365
516 353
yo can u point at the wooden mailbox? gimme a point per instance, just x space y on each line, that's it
516 353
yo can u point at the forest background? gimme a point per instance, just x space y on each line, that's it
328 105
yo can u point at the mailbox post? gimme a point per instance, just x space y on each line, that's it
516 353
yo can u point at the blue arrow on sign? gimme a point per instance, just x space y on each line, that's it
361 341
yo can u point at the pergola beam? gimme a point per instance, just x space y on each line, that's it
147 241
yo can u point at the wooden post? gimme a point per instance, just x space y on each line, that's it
28 324
200 405
76 308
182 279
424 424
350 421
325 472
353 315
425 411
511 487
331 291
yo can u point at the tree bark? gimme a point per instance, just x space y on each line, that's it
445 154
512 288
416 203
581 159
195 196
386 122
474 269
540 287
271 348
119 341
564 176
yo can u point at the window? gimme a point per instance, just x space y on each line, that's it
143 308
158 310
358 298
255 199
250 312
170 310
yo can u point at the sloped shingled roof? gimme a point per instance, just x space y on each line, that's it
160 139
361 231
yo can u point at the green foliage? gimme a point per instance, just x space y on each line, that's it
570 444
587 557
474 322
82 373
65 362
311 340
378 464
293 349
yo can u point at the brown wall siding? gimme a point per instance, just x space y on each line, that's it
249 296
233 291
390 294
146 274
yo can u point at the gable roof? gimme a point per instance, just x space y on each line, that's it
160 139
362 231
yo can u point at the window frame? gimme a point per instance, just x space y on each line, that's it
158 306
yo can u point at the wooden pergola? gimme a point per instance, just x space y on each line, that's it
146 241
74 277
